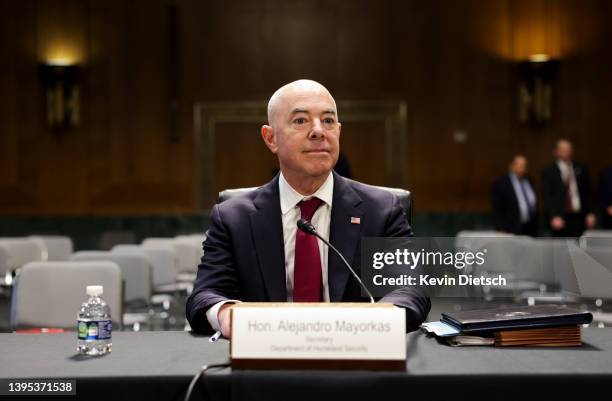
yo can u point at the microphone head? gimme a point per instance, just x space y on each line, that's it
306 226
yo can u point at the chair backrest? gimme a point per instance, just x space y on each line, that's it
502 254
49 294
4 262
23 250
194 243
58 247
405 197
593 272
474 240
596 239
136 271
163 261
545 261
188 251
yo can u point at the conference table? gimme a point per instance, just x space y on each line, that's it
160 365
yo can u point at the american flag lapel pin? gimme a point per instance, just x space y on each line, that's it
355 220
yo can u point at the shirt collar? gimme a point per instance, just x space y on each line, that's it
289 197
563 164
516 178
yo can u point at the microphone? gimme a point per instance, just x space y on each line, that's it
307 227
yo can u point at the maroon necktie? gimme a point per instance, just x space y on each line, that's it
307 272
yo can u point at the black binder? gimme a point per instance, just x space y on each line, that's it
516 317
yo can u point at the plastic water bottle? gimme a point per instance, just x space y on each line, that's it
94 324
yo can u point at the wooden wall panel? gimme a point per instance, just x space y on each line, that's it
242 158
365 151
147 63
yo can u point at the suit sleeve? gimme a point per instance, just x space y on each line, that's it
414 300
585 190
548 194
216 279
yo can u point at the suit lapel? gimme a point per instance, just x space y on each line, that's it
267 230
343 235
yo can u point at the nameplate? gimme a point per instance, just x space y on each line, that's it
318 336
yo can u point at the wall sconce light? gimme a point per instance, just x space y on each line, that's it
62 97
535 89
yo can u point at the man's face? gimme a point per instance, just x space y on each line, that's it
519 166
564 150
304 133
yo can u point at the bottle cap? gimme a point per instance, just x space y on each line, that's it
95 290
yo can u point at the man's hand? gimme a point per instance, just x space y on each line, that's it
224 319
590 220
557 223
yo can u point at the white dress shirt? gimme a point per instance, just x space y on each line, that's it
524 195
567 173
289 199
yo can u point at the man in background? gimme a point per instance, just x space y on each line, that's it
565 190
514 200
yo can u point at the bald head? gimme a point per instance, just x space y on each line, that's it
303 131
288 93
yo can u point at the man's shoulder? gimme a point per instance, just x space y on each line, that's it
245 202
240 202
502 181
550 169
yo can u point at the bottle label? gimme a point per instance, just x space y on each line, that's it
95 330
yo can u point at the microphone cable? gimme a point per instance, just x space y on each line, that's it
201 373
307 227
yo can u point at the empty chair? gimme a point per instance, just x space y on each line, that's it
4 266
23 250
474 240
596 239
547 263
136 271
196 251
163 261
49 294
185 253
593 273
502 255
165 287
58 247
593 270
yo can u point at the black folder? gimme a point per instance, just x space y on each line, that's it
516 317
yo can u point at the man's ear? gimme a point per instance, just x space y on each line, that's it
267 134
339 129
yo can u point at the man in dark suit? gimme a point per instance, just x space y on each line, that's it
605 191
514 200
565 190
254 251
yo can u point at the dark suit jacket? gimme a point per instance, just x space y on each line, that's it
605 191
506 211
244 253
553 190
605 186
